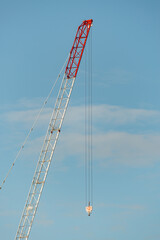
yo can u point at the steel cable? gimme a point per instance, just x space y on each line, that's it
33 126
88 126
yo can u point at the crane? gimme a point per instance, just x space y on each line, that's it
53 131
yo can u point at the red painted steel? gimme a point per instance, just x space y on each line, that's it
78 48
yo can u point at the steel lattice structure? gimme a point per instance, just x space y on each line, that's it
53 131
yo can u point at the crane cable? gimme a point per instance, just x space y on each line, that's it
33 126
88 130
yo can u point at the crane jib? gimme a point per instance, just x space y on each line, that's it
78 48
53 131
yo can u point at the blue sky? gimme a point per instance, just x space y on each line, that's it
36 37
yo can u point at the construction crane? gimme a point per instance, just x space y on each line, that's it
53 132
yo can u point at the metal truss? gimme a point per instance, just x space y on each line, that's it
45 158
78 48
53 132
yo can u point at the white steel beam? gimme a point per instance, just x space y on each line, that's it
45 158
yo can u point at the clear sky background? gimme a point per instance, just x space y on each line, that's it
35 39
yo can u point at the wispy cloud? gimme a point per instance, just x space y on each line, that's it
8 213
134 150
109 147
115 115
153 237
134 207
27 117
75 115
127 149
44 221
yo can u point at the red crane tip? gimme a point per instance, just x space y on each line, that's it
88 22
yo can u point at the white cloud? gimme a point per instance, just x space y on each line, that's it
44 221
109 147
8 213
134 207
153 237
27 117
134 150
127 149
75 115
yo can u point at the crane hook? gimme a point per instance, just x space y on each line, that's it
89 209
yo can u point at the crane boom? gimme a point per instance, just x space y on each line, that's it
53 131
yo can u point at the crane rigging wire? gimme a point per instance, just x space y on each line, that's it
91 109
85 144
88 130
33 125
